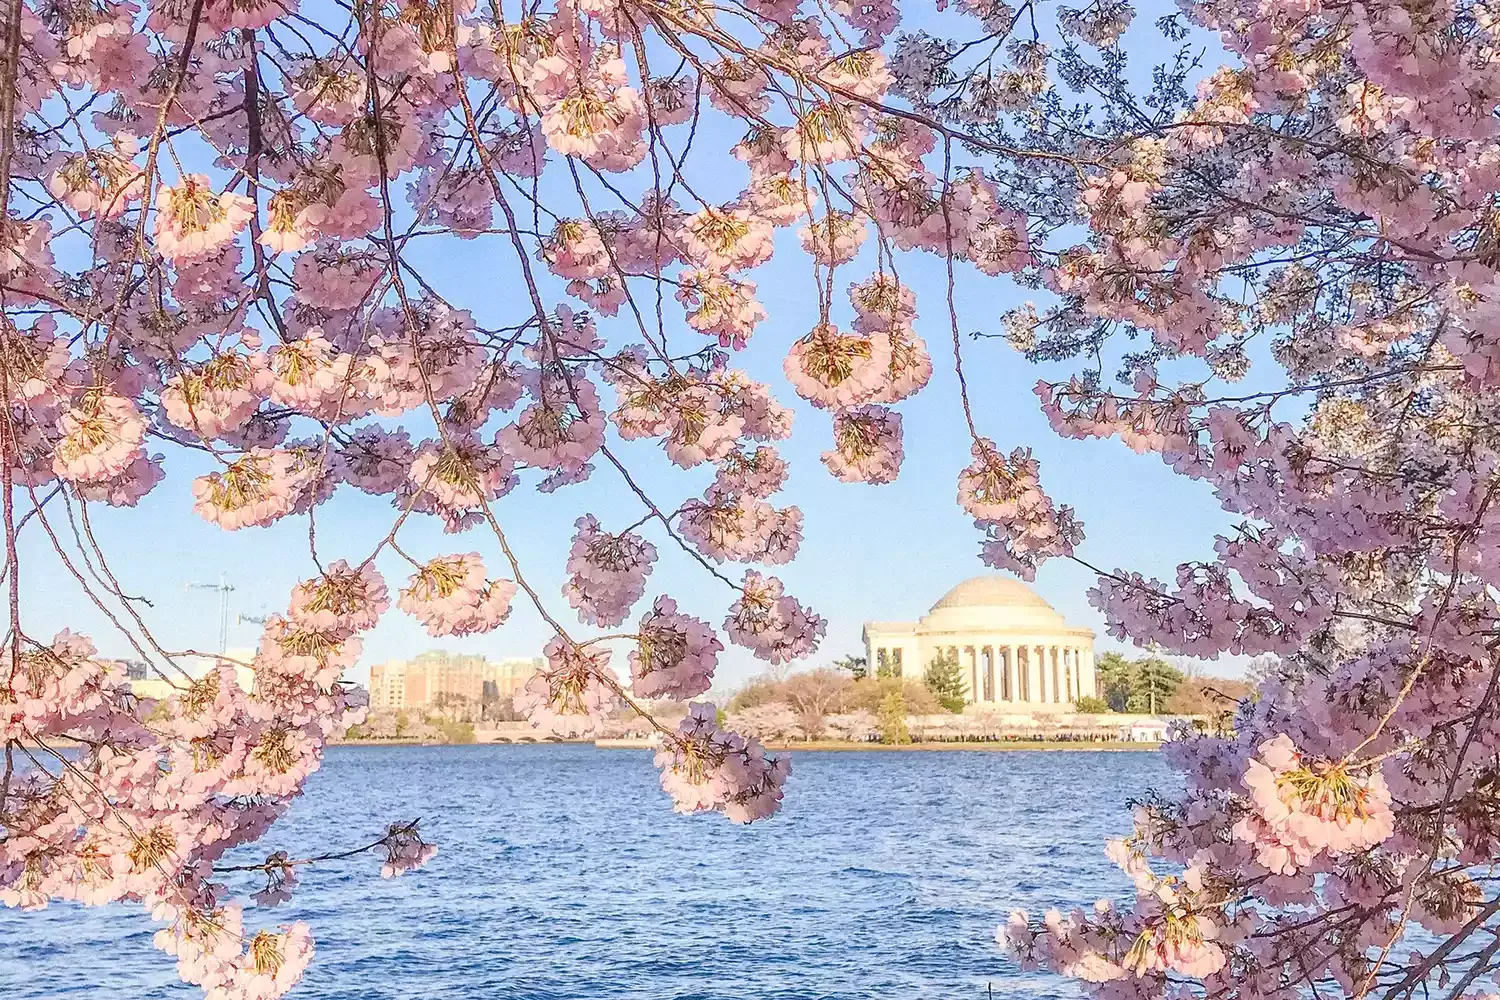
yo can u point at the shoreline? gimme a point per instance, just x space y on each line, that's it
831 746
993 746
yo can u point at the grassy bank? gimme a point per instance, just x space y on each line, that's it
998 745
397 742
995 745
835 745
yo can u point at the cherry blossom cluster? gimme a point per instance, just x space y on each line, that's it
770 623
169 786
880 361
1173 930
867 445
451 595
404 849
706 769
675 654
607 573
1022 525
1205 616
1305 808
572 694
343 597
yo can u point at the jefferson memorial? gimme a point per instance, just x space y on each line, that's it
1013 648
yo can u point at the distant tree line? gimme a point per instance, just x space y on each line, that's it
842 702
1150 685
845 702
414 725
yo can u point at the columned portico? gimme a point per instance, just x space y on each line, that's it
1012 649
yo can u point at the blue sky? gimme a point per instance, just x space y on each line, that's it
871 552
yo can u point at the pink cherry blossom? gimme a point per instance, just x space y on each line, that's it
867 445
450 595
219 395
405 850
563 429
252 491
1306 807
720 306
192 221
343 597
675 654
770 624
571 695
705 769
100 439
721 240
376 460
1022 526
607 573
837 370
460 473
102 182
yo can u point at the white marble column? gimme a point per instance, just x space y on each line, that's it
1054 656
1036 693
979 666
1012 689
975 692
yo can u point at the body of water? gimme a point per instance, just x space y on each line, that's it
563 875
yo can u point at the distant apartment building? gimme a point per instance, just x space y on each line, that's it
147 681
448 681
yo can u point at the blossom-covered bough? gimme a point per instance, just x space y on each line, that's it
1324 206
209 211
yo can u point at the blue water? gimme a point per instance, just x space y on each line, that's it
563 875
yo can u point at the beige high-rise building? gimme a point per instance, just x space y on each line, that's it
388 684
448 681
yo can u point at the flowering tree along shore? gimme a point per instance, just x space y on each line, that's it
208 210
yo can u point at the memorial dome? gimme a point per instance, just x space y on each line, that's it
991 602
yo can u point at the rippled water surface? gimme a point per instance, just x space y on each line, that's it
563 874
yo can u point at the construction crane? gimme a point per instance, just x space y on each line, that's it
224 588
